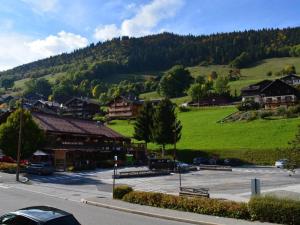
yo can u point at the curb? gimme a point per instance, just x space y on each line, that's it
147 214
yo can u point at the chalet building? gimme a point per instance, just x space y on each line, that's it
79 143
271 94
47 107
124 108
81 108
291 79
6 98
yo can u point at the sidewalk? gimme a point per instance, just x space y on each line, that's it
168 214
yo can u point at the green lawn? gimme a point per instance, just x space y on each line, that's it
202 132
250 75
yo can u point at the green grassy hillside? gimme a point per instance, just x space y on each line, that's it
251 74
202 132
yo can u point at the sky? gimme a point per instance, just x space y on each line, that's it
36 29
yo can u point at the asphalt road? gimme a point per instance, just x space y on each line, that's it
12 198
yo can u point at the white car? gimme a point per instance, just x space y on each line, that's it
281 163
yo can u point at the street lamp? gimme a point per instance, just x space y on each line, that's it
114 177
174 153
19 142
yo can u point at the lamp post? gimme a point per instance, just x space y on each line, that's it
19 142
174 153
114 177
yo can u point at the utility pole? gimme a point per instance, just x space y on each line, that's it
19 142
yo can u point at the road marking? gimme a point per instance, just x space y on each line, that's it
4 186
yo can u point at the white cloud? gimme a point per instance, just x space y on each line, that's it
107 32
17 49
144 22
55 44
41 6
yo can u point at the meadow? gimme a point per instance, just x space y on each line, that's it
245 140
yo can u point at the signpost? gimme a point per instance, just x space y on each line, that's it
255 187
115 170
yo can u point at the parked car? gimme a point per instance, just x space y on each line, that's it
38 215
281 163
40 168
7 159
184 167
200 160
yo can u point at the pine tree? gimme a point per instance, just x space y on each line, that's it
166 127
144 123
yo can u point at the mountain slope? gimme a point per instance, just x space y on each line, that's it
161 51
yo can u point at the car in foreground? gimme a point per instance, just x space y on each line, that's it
281 163
39 215
40 169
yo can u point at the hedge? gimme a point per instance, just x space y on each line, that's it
196 205
121 190
275 210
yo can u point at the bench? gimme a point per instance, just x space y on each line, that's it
194 192
141 173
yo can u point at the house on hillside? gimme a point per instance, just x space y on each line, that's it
6 98
47 107
271 94
81 108
126 108
291 79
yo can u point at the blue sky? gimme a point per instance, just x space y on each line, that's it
34 29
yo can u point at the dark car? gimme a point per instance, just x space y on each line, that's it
40 168
38 215
200 160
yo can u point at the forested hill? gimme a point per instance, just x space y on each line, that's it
161 51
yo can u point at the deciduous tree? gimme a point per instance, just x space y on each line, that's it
32 137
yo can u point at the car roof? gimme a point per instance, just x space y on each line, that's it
42 213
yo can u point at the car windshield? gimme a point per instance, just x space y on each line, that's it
66 220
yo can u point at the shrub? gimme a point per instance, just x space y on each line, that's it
8 167
281 111
272 209
197 205
265 114
183 109
121 190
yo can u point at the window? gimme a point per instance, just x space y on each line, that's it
67 220
288 98
12 219
269 100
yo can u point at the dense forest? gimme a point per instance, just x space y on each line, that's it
161 51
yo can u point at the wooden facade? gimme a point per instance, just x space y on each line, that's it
124 108
81 108
271 94
79 144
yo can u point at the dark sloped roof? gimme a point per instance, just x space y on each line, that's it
54 123
290 76
87 100
256 88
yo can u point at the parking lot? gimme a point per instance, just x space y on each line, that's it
234 185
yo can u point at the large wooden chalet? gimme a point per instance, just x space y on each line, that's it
81 108
271 94
124 108
79 143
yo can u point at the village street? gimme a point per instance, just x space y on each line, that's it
233 185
